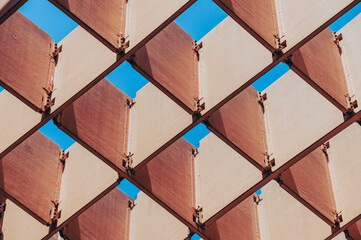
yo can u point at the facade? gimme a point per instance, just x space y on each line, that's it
298 141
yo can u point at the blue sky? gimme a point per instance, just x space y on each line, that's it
198 20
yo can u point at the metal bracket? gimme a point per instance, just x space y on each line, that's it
325 146
131 204
352 104
257 199
269 162
2 209
337 40
54 213
200 106
195 152
261 99
337 217
197 47
55 54
128 162
198 217
63 156
123 43
281 43
130 102
288 61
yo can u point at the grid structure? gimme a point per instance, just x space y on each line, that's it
299 140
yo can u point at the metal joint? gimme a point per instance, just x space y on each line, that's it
122 42
269 162
281 43
257 199
199 105
337 40
55 53
261 99
325 146
288 61
55 214
131 204
127 163
198 217
337 217
130 102
197 47
195 152
352 104
63 156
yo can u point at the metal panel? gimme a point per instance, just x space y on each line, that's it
17 224
258 16
222 175
239 223
230 57
84 178
320 61
169 60
292 102
31 172
344 158
100 119
155 119
104 19
26 68
241 121
283 217
146 16
148 220
310 179
81 60
170 177
300 18
351 52
355 230
106 219
16 119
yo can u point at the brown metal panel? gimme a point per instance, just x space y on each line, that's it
30 174
104 19
355 230
310 179
170 177
239 223
320 61
26 68
100 119
259 16
106 219
241 121
169 60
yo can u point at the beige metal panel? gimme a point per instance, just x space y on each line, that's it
351 55
148 220
221 174
345 164
82 59
154 120
283 217
18 224
145 16
340 236
84 178
230 57
300 18
16 119
297 116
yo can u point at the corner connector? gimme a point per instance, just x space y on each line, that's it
196 48
269 163
198 217
123 43
127 163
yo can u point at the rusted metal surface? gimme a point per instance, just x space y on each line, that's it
100 118
29 76
106 219
320 60
168 60
240 223
241 121
104 19
30 174
310 179
170 177
257 16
